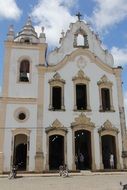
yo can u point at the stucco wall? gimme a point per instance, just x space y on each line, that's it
94 72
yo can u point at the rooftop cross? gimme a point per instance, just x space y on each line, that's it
79 16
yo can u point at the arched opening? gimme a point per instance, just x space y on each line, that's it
80 40
108 148
83 149
56 97
20 151
105 94
56 151
81 96
24 71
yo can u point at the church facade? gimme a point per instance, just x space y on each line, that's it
60 105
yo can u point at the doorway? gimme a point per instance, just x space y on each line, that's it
56 151
20 151
83 149
108 147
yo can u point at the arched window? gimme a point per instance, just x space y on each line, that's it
80 39
24 71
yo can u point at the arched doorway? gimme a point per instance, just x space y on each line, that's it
20 151
56 151
83 149
108 147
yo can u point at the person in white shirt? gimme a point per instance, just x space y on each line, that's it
111 161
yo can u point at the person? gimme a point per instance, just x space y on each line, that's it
13 172
111 161
76 161
81 159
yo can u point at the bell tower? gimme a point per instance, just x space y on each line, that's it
22 87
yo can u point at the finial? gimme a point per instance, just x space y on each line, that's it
62 33
42 35
11 28
29 21
42 29
10 35
79 16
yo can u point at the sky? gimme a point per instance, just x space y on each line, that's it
107 18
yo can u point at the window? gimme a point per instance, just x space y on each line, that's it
105 94
56 93
80 39
81 97
56 97
81 92
24 71
22 116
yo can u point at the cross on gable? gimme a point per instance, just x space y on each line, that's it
79 16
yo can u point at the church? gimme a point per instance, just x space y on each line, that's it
61 107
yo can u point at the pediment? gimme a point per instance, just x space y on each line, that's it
82 120
104 80
107 126
81 75
56 125
56 78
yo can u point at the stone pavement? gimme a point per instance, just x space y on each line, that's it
87 181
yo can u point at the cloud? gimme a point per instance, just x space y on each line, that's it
107 13
9 9
54 16
120 56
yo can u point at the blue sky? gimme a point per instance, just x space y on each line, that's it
107 18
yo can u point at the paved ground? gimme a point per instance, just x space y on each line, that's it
87 182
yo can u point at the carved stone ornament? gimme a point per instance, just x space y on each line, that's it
82 120
81 62
56 125
107 126
81 75
104 80
57 78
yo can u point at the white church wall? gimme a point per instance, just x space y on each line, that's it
11 124
94 72
66 48
23 89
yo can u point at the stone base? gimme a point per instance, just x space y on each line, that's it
39 162
1 162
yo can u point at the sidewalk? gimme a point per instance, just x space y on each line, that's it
81 173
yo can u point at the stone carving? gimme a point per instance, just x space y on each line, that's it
56 78
81 62
104 80
81 75
107 126
82 120
56 125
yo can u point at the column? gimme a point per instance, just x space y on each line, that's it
39 159
93 151
101 161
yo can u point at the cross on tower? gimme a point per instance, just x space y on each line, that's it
79 16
